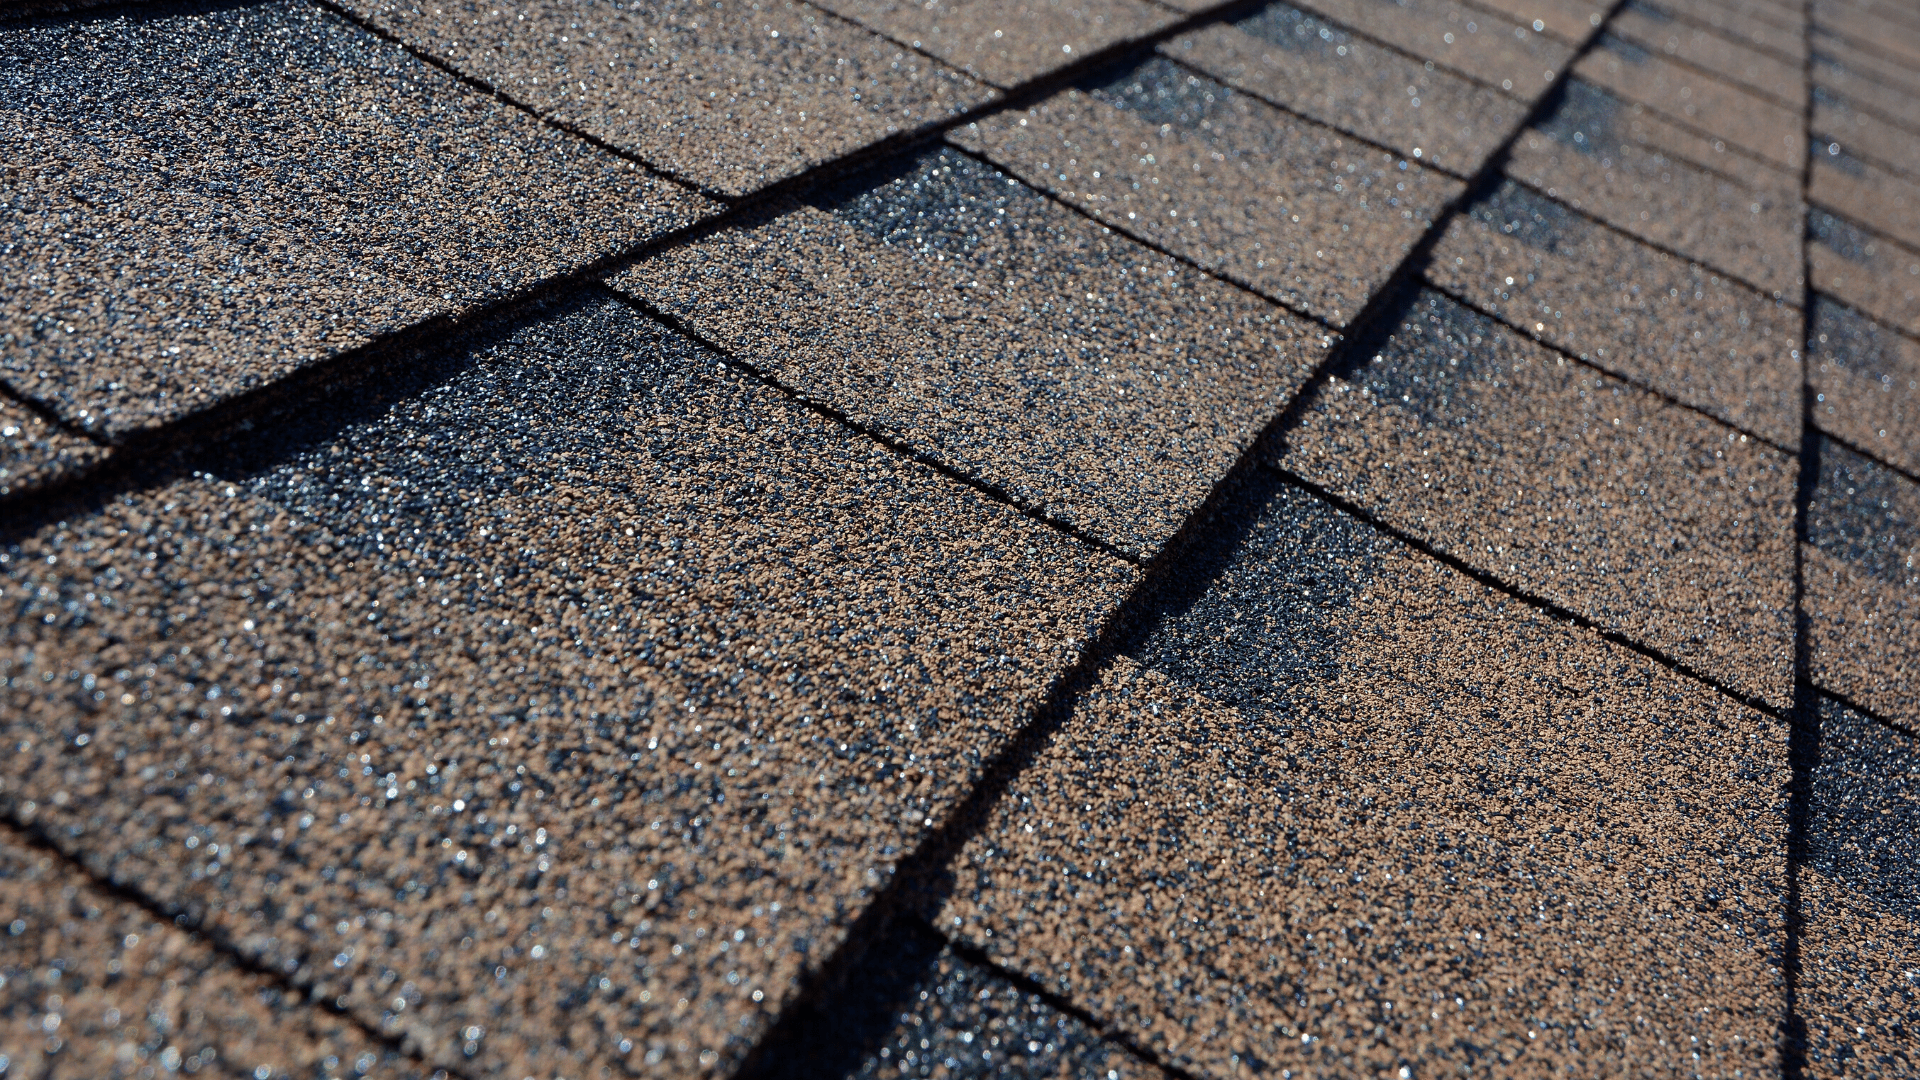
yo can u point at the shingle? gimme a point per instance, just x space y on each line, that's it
1467 833
257 188
1874 274
1469 40
1837 77
1612 128
1773 132
1762 26
1896 41
35 453
1750 233
1863 583
913 1007
715 660
1867 377
705 90
1008 42
1649 519
1651 28
1865 135
1872 196
950 307
1859 988
1865 63
1573 21
1289 209
94 987
1324 73
1637 312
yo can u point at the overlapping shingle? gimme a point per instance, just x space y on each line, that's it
1470 40
1866 380
1289 209
35 453
1008 42
591 635
950 307
1780 78
1763 127
1863 583
1323 72
1867 194
1648 519
1876 275
1456 831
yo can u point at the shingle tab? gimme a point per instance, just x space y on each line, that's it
1761 26
950 307
1646 518
573 630
94 987
1881 200
1008 42
1780 78
1863 583
262 188
1325 73
734 94
1863 134
35 453
1865 63
1470 40
1638 312
1874 274
1573 21
1432 851
1773 132
1752 233
1898 42
1837 78
1289 209
1867 377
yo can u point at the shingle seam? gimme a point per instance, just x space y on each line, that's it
1686 18
1869 47
899 446
1158 248
1719 77
1877 459
1297 114
1458 73
34 838
1689 126
1868 711
52 416
1028 985
1803 723
1814 137
1540 603
1910 126
1629 378
1864 226
1595 219
1882 79
1031 737
1592 28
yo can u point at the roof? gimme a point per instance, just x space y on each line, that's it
1102 538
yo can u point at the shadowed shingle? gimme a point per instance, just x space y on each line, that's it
219 195
1874 274
579 678
1778 77
1649 519
1321 71
1867 378
952 308
1461 832
1772 132
34 453
1637 312
732 95
1883 201
1863 584
1289 209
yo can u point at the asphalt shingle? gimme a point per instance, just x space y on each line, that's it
733 95
1008 42
950 307
1325 73
1863 583
583 683
1472 41
1649 519
1459 832
1865 135
35 453
1869 195
1751 233
1840 80
1286 208
1867 380
220 195
1872 273
1778 77
1573 21
1865 62
1766 27
1773 132
94 987
1638 312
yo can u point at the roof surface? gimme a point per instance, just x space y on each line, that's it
1092 538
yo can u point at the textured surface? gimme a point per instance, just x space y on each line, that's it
35 452
262 188
1084 374
1290 210
1646 518
1863 583
1638 313
95 988
1007 42
1280 888
1872 273
731 95
1763 127
1324 72
401 704
1776 77
1469 40
1866 378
